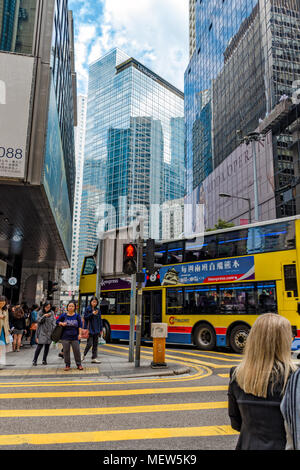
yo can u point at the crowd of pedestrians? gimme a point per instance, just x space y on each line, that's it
37 324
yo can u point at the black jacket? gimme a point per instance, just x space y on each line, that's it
258 420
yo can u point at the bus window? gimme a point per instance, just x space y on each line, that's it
290 278
89 266
123 305
237 299
266 297
193 249
161 254
232 244
108 304
201 249
201 300
174 301
175 253
273 237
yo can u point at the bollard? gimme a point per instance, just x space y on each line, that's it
159 332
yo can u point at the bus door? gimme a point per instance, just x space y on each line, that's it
290 293
152 311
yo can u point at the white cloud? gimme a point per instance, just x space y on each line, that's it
155 32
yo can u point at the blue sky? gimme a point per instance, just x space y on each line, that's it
155 32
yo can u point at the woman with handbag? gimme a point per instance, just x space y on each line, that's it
4 331
71 335
258 384
46 324
93 321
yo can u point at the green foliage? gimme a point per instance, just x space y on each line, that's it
221 224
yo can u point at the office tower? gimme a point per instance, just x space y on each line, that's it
247 58
132 116
37 166
72 275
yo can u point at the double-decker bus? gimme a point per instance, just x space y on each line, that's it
211 288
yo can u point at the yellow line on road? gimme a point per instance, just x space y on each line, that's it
187 360
110 393
110 436
112 410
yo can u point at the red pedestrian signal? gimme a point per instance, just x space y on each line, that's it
130 259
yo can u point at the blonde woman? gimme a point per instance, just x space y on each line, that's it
257 385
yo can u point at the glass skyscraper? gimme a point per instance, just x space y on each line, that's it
134 153
244 59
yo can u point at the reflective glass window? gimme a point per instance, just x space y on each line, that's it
174 301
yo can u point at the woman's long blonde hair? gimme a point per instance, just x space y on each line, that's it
267 356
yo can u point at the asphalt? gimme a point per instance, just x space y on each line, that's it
113 365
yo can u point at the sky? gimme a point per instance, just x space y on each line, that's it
155 32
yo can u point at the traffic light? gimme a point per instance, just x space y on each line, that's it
130 259
52 287
150 256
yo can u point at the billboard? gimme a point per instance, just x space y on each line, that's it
16 82
235 176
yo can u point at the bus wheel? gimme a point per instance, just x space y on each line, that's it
238 338
205 337
106 332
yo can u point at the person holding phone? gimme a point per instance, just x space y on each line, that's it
71 335
93 321
46 324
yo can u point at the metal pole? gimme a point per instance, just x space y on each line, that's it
256 208
139 302
250 217
99 265
132 318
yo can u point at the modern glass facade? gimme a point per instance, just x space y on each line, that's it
134 153
17 25
247 56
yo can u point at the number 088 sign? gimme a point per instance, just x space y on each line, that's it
16 77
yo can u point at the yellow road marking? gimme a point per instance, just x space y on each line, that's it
120 435
187 360
110 393
224 376
57 371
112 410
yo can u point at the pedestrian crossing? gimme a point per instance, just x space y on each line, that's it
169 401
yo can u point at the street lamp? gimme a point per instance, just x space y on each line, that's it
252 138
239 197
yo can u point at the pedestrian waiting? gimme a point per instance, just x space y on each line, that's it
71 335
4 331
46 324
18 327
33 324
93 322
258 383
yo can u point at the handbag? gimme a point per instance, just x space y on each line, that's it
85 333
56 333
33 327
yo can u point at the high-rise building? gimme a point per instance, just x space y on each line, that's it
246 57
37 164
134 152
71 276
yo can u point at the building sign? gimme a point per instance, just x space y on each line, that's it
16 80
221 270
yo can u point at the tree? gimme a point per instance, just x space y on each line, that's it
220 225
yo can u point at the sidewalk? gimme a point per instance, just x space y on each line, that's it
19 364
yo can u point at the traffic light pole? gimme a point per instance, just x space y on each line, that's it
139 301
132 317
